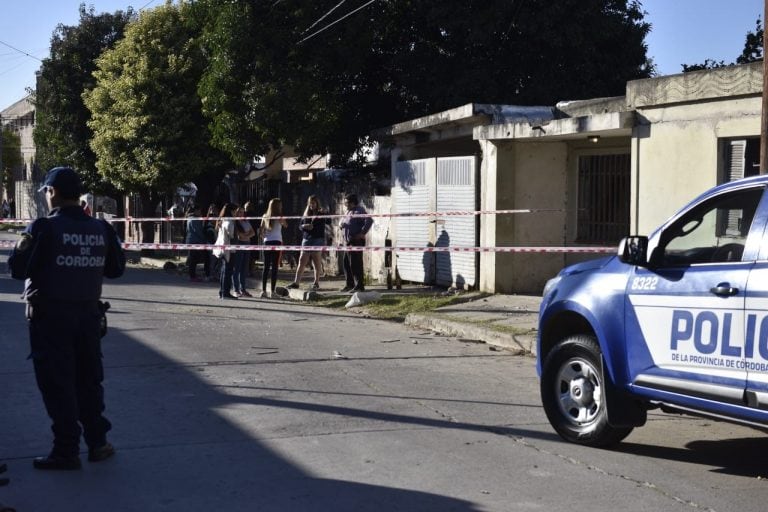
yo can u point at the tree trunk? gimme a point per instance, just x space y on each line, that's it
148 207
206 189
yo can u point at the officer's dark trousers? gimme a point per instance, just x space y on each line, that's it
66 351
353 265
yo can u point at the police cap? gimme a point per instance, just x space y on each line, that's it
65 180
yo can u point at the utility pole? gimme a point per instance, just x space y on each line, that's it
764 115
2 169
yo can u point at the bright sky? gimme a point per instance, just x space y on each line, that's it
683 32
27 25
691 31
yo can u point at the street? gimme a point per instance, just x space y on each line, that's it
271 405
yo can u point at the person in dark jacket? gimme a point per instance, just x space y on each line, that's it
196 235
63 259
355 227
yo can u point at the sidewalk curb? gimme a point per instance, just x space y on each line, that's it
519 344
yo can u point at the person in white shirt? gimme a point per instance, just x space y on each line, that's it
271 230
225 229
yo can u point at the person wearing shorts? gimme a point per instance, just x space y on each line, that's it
312 227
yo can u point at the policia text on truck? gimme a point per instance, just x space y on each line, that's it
677 320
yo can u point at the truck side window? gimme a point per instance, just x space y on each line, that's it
712 232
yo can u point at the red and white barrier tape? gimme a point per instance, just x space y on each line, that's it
454 213
324 248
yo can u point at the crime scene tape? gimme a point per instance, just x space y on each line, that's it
452 213
183 247
325 248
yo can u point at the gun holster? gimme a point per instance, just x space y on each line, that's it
103 308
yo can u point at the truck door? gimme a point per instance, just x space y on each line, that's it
756 331
685 313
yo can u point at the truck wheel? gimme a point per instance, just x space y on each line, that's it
573 393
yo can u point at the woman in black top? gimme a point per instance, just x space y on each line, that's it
313 238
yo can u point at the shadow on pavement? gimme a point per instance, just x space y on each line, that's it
175 451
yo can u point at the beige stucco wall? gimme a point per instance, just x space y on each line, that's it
677 153
522 175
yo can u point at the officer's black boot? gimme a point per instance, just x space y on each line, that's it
101 453
57 462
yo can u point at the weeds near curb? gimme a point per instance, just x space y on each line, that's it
396 307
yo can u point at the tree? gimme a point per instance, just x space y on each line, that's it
753 46
752 52
149 134
268 86
62 134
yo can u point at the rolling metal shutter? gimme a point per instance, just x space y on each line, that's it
411 194
456 191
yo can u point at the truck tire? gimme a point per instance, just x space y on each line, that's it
573 393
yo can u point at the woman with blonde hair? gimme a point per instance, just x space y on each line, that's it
271 230
313 235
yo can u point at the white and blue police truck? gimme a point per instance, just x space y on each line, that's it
677 321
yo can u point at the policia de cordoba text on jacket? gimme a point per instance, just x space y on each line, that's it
63 259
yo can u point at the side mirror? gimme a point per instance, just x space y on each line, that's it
633 250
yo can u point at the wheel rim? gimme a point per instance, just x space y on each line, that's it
579 392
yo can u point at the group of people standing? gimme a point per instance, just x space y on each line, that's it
232 227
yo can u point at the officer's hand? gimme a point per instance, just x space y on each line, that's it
24 242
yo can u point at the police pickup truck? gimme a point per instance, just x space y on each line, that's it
677 321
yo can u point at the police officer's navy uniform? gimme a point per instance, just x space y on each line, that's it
63 259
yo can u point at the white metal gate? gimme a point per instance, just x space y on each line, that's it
456 191
411 194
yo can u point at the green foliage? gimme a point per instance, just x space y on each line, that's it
61 131
753 46
401 59
148 128
397 307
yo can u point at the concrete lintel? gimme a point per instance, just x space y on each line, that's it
612 123
465 113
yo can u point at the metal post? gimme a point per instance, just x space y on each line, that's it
2 170
764 115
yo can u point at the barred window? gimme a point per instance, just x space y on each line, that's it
603 198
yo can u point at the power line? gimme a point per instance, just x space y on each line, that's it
20 51
324 16
337 21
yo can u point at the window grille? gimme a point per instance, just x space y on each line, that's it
603 198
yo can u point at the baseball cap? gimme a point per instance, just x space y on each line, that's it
63 179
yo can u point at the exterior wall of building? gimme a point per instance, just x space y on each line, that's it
674 128
490 166
677 153
20 118
676 140
522 175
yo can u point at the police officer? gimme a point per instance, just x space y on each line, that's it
63 259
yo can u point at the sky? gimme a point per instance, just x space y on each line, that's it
682 32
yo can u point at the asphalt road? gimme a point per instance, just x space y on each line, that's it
242 406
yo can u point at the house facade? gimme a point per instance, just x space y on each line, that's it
20 119
579 174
